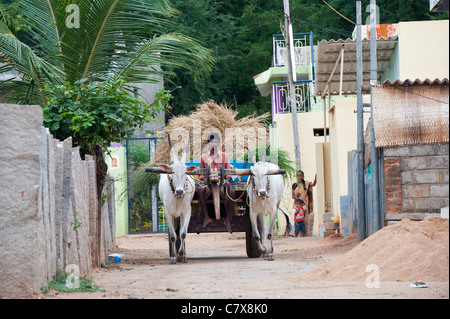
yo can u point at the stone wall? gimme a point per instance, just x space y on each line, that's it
48 205
416 181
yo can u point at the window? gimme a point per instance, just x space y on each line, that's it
319 131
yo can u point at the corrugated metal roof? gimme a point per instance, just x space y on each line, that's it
328 52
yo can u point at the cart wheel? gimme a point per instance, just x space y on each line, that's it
178 241
251 244
252 247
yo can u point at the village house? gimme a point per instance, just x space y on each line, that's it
326 106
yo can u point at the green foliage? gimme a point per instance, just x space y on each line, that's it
139 153
282 159
139 188
75 224
10 9
97 113
17 56
238 51
140 185
285 163
104 199
240 35
237 32
141 180
59 282
54 52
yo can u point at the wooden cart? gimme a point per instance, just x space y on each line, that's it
216 205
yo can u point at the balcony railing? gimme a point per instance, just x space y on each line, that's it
281 101
303 56
303 49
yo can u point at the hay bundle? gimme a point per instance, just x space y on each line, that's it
211 117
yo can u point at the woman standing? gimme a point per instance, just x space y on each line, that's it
302 195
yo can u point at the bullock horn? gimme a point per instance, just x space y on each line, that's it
250 155
264 154
173 154
183 157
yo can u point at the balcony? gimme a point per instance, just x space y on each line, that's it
281 102
303 50
274 81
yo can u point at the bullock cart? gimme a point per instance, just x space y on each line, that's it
216 205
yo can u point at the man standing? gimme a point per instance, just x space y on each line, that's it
214 158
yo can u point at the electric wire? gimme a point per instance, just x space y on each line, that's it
338 12
423 96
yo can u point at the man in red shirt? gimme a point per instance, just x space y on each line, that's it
215 158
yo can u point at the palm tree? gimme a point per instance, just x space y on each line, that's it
95 40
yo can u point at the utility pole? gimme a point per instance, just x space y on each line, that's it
292 79
360 128
374 152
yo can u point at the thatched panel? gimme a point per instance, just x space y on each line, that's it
411 115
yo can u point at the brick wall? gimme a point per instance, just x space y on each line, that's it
416 181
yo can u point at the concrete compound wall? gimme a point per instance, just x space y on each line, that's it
119 172
416 181
45 190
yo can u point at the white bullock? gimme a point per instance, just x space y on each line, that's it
264 194
176 190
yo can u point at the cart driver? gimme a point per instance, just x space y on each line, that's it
215 158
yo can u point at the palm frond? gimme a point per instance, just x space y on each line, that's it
32 69
112 27
167 51
127 38
46 26
278 156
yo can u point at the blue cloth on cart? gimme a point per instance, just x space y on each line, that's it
234 164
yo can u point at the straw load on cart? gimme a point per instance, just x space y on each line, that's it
190 135
208 118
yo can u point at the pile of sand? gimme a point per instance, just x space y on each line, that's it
406 251
207 118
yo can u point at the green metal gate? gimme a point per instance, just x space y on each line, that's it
145 213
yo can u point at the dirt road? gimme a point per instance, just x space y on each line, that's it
219 268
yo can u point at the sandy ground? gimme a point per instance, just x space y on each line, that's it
219 268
